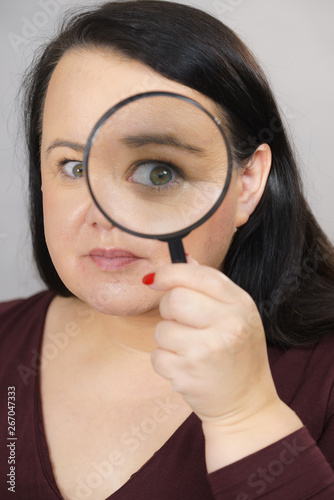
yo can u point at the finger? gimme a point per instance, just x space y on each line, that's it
165 363
204 279
190 308
176 338
170 366
191 260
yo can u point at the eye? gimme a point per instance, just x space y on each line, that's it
153 173
72 169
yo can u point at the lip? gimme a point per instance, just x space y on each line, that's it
112 259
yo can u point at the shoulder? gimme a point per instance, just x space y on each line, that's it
324 349
308 363
304 375
21 330
17 315
303 356
25 304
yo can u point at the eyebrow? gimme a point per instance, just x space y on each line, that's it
67 144
134 142
165 140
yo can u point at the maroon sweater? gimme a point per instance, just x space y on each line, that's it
298 467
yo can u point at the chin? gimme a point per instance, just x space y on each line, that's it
118 299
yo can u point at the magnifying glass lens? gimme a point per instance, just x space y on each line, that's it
158 164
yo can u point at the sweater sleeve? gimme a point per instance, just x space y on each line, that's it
293 468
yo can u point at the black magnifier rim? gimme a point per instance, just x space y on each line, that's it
168 236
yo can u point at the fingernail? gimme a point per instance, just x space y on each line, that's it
148 279
187 255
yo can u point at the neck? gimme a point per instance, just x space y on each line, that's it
102 348
134 333
104 332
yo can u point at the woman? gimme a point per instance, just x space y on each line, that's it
145 379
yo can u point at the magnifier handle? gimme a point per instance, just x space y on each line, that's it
177 251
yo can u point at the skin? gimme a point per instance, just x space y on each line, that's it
196 327
71 217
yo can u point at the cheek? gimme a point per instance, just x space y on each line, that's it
209 243
61 213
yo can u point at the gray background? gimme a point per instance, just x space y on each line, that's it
293 39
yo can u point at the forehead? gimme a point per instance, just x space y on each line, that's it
86 83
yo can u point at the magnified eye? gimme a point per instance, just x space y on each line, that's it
151 173
73 169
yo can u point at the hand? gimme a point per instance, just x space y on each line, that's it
212 348
211 344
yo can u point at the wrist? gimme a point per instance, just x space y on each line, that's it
230 439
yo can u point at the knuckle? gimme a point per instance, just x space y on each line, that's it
178 386
241 332
214 345
157 361
254 319
154 357
159 331
199 276
174 300
176 295
246 300
233 334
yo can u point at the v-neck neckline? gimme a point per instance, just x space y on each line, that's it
42 445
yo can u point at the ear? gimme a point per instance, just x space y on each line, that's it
251 182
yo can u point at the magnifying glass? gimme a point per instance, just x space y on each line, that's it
158 165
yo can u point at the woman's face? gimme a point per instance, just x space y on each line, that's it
99 263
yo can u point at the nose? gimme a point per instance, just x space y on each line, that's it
94 217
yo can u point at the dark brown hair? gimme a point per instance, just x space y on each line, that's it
280 256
